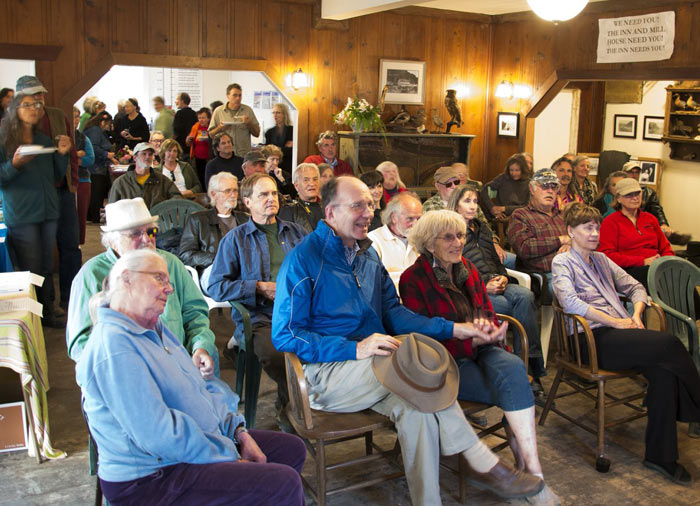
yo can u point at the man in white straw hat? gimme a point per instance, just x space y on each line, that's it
131 227
335 307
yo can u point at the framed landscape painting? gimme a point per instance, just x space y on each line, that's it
625 126
405 81
653 128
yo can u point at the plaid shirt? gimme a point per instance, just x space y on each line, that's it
421 292
534 236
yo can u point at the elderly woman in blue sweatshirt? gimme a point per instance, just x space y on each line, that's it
164 433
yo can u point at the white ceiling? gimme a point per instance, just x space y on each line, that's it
491 7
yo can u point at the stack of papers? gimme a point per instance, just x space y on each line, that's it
34 149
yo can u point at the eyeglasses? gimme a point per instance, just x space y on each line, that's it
450 184
358 207
550 186
459 236
161 278
33 105
137 234
228 191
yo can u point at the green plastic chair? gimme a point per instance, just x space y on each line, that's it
672 284
247 363
174 212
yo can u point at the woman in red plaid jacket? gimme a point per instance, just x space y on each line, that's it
443 283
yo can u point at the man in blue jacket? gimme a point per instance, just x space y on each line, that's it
245 269
335 304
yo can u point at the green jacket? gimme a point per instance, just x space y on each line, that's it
186 314
191 179
164 122
157 188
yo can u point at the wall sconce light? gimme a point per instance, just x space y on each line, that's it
504 90
297 79
463 90
522 91
557 10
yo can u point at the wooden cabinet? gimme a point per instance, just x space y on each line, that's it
682 123
416 155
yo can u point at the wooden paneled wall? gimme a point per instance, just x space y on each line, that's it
476 51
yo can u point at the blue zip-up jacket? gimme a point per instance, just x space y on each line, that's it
243 259
147 404
323 305
101 146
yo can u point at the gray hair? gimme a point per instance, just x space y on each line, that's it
431 225
301 167
113 283
391 165
579 159
328 134
218 179
109 238
88 104
155 132
395 205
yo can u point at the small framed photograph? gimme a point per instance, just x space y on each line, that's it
405 81
653 128
625 126
652 170
508 124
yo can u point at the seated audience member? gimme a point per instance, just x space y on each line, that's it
392 183
273 157
164 119
537 231
282 134
245 270
506 297
254 163
224 161
511 189
391 240
528 158
200 143
163 432
443 283
141 180
96 130
335 306
327 144
563 168
156 140
622 342
605 200
374 181
179 172
446 180
326 172
630 237
306 209
204 229
131 227
463 175
580 184
651 205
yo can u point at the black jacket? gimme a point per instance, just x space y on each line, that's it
480 251
651 204
201 237
305 214
182 125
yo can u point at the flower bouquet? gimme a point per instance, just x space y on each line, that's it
124 155
359 115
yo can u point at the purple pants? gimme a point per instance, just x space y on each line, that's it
277 482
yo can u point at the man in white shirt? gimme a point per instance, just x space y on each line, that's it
399 216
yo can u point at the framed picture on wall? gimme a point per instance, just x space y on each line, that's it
625 125
508 124
652 169
653 128
405 81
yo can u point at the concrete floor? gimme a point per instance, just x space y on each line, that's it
566 452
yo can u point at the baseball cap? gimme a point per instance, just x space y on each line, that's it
444 174
627 186
254 156
545 176
143 146
29 85
629 166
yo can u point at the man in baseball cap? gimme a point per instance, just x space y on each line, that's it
446 180
254 163
651 204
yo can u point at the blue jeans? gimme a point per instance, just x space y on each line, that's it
67 239
509 262
497 377
519 302
31 249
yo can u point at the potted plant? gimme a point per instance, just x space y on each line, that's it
359 115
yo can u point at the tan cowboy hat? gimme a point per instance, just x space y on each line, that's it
421 372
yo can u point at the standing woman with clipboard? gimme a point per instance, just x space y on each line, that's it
30 166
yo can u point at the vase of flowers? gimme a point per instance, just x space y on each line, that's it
359 115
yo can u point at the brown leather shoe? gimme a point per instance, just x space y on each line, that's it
506 482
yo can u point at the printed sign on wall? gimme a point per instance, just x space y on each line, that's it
636 38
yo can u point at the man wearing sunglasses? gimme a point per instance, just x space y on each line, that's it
131 227
446 179
537 232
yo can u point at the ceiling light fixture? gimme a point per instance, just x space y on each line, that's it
557 10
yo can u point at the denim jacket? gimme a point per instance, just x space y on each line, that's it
243 259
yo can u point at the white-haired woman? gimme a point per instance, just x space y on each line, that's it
282 134
443 283
392 180
164 433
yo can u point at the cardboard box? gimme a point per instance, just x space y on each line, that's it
13 427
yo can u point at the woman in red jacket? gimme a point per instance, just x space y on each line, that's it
631 237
